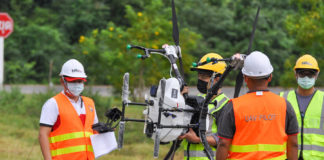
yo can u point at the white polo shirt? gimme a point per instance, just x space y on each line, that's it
50 111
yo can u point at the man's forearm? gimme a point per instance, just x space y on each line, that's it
45 146
292 148
222 149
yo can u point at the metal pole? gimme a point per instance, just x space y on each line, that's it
1 61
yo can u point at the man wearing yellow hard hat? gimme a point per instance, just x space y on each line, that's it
308 104
208 74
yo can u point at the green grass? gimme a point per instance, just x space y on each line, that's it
18 138
19 124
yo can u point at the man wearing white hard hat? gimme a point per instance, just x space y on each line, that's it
259 124
67 118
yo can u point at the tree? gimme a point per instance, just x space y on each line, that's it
150 28
307 28
32 45
226 28
42 34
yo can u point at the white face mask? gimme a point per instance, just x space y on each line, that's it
306 83
75 88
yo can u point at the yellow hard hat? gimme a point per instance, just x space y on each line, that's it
306 62
218 67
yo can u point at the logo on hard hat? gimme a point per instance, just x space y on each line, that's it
307 63
76 70
91 109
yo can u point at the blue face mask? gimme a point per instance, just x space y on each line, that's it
306 83
75 88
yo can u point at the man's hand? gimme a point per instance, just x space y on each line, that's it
185 90
190 136
237 60
165 45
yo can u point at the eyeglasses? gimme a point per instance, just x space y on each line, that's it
308 73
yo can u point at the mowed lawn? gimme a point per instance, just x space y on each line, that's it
19 139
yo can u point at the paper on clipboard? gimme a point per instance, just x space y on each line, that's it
103 143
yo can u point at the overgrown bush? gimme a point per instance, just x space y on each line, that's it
15 102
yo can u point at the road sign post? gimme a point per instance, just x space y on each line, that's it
6 28
1 60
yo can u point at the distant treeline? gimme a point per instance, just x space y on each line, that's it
96 32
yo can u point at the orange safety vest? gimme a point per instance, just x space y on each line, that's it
71 140
260 127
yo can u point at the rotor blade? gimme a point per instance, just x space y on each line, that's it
175 31
181 68
239 77
157 143
238 84
125 88
121 134
253 31
175 35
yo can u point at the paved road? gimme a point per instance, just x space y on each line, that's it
29 89
108 90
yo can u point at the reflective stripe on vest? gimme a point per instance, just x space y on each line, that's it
260 119
71 140
313 131
282 157
221 101
73 149
68 136
258 147
196 151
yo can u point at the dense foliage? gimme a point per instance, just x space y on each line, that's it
97 31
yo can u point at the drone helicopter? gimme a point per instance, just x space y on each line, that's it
168 113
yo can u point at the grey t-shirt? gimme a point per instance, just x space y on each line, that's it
303 101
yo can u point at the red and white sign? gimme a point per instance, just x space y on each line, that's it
6 25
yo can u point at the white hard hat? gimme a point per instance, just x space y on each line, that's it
257 65
73 68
